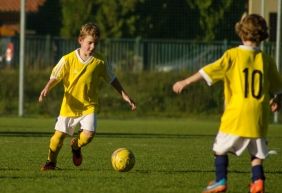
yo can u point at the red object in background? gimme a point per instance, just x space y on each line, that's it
9 52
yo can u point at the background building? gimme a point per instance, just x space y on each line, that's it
267 8
10 15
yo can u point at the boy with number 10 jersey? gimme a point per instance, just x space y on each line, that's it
247 80
250 77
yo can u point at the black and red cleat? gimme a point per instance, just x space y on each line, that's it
76 153
48 166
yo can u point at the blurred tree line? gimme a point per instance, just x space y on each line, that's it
162 19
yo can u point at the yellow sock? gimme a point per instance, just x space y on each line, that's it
56 142
84 139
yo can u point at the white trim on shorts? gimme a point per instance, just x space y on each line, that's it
225 143
68 124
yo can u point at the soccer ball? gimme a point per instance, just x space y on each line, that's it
123 160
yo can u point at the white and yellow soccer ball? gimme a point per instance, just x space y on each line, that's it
123 160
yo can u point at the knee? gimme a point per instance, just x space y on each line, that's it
256 161
88 134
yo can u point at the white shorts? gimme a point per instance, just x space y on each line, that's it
68 124
225 143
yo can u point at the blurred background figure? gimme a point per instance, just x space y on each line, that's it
9 54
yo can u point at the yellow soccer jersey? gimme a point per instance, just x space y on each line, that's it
249 77
81 79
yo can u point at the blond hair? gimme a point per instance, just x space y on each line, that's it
89 29
252 27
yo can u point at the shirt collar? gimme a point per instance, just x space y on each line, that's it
249 48
80 59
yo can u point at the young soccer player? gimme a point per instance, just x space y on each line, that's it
80 71
249 75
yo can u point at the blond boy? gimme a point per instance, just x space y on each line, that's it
80 71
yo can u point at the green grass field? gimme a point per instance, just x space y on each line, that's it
172 156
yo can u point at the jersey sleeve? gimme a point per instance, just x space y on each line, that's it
108 73
215 71
275 78
59 70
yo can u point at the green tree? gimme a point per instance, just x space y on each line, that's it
74 13
211 13
164 19
226 27
168 19
115 18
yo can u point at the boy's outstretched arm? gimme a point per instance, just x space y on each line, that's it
50 84
116 84
180 85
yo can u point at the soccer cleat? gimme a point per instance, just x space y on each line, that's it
257 186
76 153
48 166
216 187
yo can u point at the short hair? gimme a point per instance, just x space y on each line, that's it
89 29
252 27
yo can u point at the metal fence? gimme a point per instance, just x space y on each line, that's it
124 54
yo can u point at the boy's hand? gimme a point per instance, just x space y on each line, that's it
274 105
178 87
43 94
132 105
129 101
50 84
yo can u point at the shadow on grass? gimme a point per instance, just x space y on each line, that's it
58 170
58 173
201 171
105 135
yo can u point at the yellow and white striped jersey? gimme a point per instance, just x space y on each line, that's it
81 80
249 76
